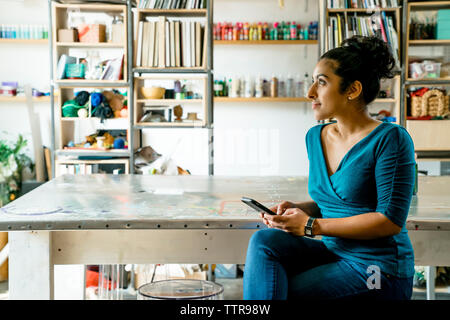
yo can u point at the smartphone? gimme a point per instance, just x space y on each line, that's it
256 205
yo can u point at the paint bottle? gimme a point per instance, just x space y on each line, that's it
266 88
242 87
259 87
293 31
260 31
230 31
290 86
235 32
287 31
281 87
235 86
306 85
274 32
249 87
299 91
305 33
246 30
266 34
274 87
46 32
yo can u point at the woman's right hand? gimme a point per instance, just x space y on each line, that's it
279 209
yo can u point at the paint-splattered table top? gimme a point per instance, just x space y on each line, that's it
74 202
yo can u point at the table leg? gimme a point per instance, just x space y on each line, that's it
30 265
431 275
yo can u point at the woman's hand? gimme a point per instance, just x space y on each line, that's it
288 218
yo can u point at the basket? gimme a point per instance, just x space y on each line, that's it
432 103
75 70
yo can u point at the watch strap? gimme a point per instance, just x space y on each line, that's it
309 227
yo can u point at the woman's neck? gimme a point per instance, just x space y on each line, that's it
354 122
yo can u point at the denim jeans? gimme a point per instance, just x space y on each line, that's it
282 266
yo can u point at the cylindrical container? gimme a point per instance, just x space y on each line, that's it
290 87
274 87
183 289
281 87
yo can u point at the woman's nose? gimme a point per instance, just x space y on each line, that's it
312 91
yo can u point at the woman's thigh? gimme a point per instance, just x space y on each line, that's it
294 253
345 279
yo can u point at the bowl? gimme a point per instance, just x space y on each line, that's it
153 92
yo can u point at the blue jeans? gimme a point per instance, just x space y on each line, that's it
282 266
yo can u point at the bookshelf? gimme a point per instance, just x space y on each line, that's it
24 41
69 132
265 42
179 43
343 21
430 136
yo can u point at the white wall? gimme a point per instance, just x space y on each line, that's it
250 138
29 65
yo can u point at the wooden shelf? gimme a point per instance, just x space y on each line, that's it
24 99
169 70
368 10
190 12
91 83
264 42
169 101
95 7
429 135
99 153
190 124
264 99
90 45
428 42
93 118
427 81
385 100
25 41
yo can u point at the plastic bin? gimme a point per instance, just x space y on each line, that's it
183 289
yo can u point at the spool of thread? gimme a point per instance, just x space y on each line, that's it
119 143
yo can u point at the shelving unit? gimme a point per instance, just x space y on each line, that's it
395 13
264 42
24 41
65 88
24 99
140 73
263 99
430 136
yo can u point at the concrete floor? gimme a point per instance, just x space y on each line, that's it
233 290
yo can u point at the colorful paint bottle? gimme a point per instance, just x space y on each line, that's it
293 31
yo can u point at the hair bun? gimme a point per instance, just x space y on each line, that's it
375 52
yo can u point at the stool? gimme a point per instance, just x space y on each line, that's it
182 289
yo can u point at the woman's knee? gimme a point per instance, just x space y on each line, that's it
266 238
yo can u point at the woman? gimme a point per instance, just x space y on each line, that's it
361 180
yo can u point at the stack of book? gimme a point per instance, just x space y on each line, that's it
341 27
362 4
78 168
172 4
171 42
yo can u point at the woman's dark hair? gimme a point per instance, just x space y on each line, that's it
366 59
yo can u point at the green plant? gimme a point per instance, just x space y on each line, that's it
12 161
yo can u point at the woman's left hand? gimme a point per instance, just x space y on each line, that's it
292 220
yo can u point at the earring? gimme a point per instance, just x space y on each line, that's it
349 98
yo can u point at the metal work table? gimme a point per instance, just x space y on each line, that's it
111 219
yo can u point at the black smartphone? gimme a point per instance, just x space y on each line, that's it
256 205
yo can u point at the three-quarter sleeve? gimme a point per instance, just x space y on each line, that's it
395 175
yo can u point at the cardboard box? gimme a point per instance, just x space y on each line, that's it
118 33
92 33
67 35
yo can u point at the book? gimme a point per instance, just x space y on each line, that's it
183 45
204 56
192 43
150 39
177 44
139 47
172 43
161 40
198 43
167 44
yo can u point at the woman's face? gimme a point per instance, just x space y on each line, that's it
328 101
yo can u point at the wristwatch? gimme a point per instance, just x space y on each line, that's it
309 227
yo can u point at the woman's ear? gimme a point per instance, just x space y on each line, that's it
354 90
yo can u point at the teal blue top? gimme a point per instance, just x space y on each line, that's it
376 175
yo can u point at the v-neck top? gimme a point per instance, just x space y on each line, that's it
376 175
